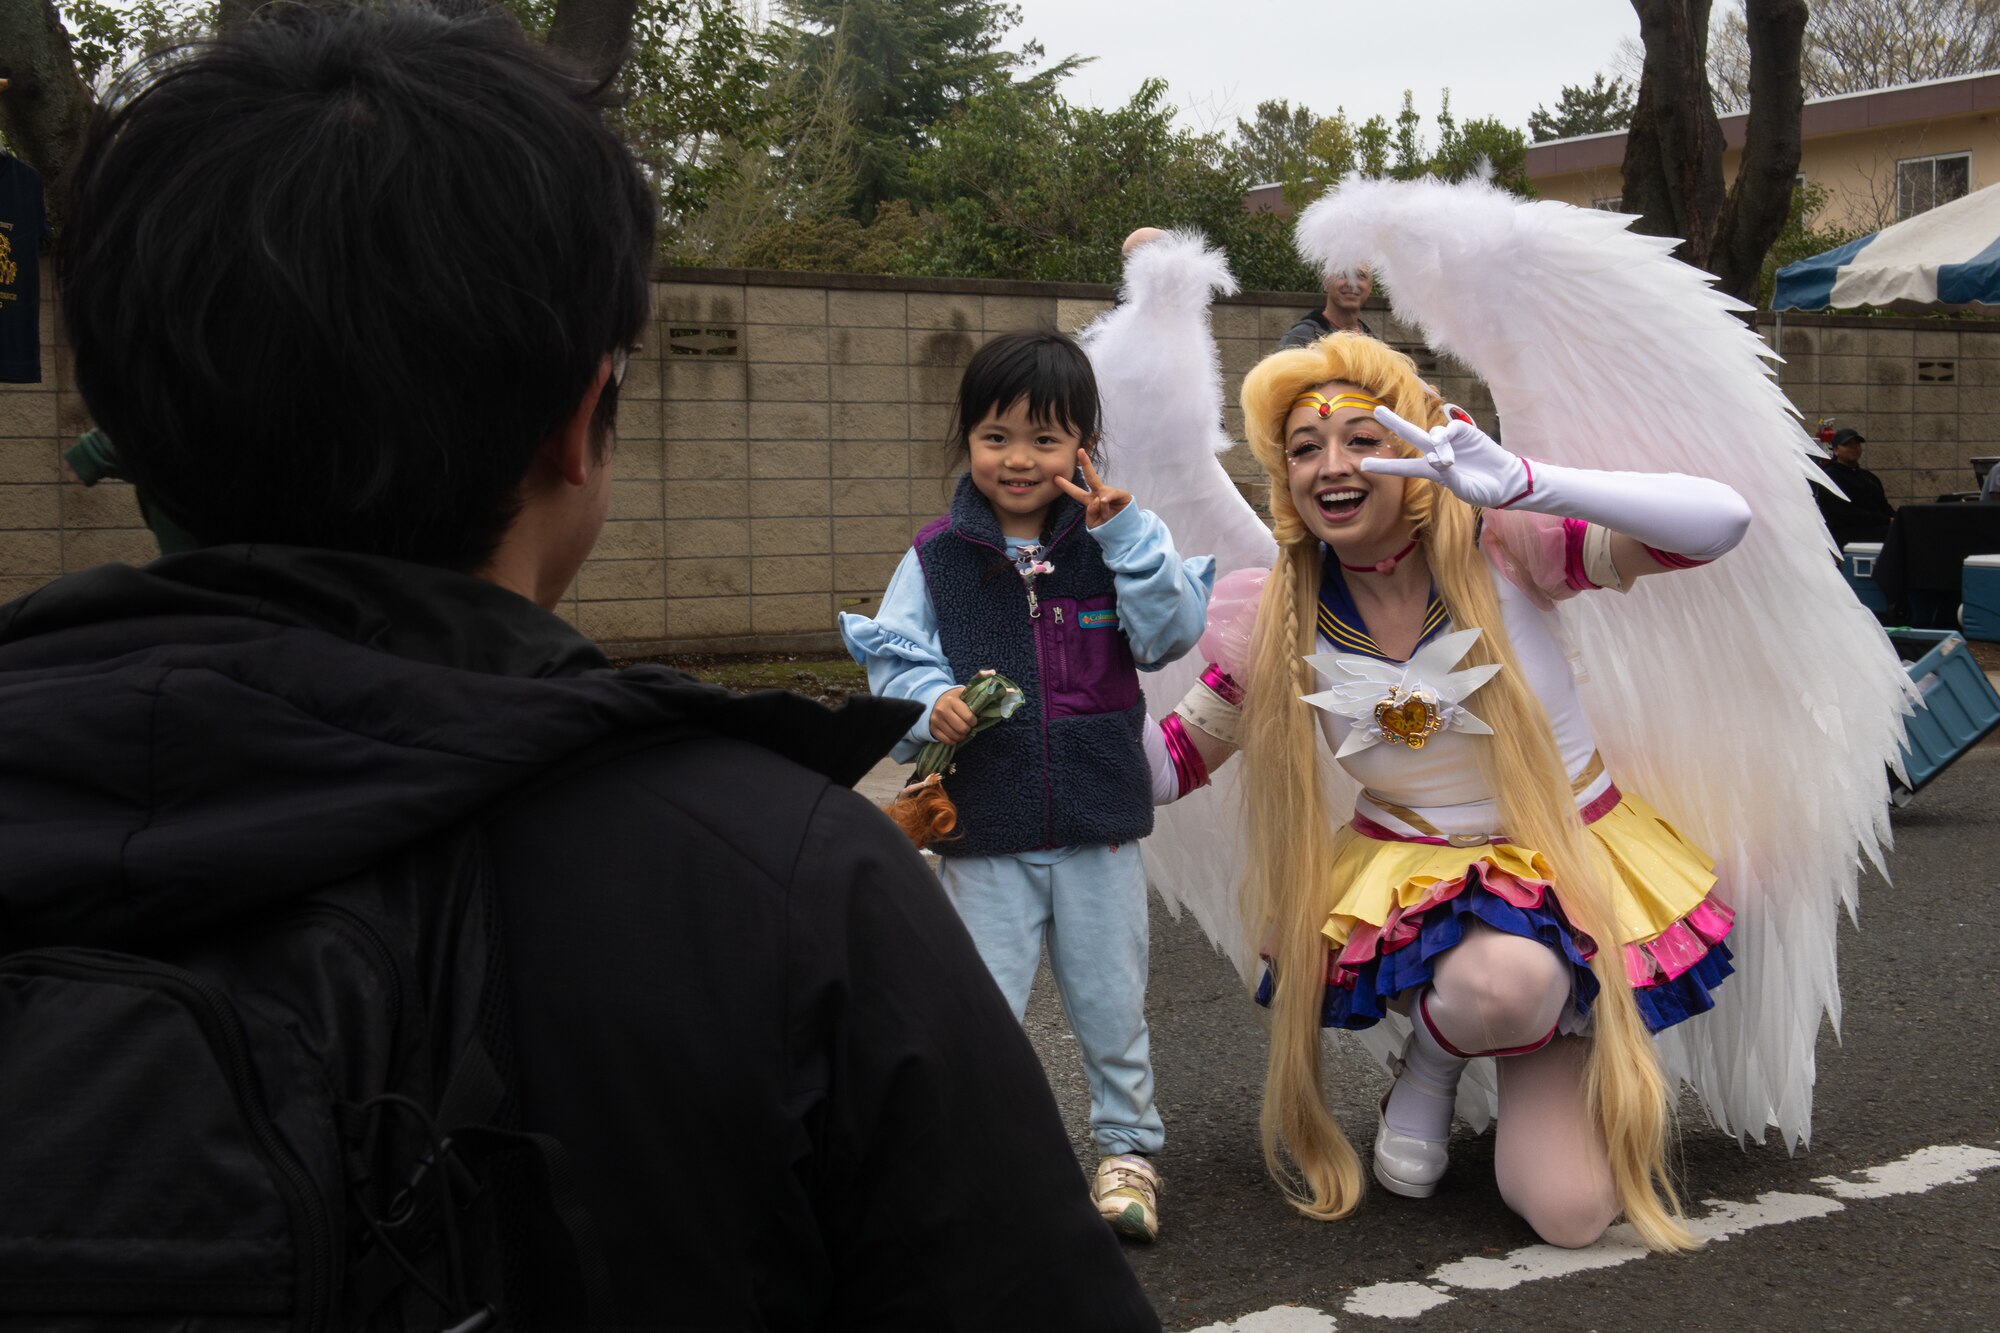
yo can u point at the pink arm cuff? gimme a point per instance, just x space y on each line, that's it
1189 770
1573 572
1223 684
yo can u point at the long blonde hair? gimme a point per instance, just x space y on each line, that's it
1287 893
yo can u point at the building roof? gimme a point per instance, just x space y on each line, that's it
1843 113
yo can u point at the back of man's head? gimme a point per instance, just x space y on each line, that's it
333 277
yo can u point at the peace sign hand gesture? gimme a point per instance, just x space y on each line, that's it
1458 456
1101 503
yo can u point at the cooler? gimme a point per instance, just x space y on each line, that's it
1959 706
1979 593
1857 562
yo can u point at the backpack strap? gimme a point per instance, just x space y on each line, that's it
449 1179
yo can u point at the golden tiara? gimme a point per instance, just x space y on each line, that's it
1327 406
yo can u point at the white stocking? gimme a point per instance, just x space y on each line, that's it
1549 1153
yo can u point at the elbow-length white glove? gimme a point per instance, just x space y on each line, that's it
1694 517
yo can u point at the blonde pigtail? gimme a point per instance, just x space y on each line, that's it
1287 892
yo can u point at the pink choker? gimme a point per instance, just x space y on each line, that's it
1382 566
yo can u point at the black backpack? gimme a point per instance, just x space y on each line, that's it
296 1123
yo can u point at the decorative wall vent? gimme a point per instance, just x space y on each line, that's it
1937 372
701 342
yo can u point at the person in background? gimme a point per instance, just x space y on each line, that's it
1861 512
1347 290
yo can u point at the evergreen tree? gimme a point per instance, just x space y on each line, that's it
1579 110
905 67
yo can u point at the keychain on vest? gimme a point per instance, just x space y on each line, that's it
1030 563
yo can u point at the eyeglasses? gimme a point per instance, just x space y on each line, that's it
620 359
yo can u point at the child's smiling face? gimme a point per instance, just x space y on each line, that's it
1015 461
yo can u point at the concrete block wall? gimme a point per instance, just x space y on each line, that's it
1925 393
781 439
48 527
785 441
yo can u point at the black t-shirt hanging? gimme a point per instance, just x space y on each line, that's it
23 227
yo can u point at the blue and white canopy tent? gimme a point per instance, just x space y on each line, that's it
1945 259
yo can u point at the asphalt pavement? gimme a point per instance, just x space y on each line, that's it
1891 1220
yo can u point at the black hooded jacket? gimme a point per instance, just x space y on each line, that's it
793 1095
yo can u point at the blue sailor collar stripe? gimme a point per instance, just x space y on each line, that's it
1342 625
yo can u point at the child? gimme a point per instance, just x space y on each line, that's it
1069 591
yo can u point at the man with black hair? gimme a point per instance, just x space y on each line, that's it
354 291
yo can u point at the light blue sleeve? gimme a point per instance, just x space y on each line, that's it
1162 599
900 648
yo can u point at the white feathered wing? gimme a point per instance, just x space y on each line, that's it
1160 382
1754 702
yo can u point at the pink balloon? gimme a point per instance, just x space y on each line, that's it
1232 620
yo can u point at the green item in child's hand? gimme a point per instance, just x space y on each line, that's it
992 699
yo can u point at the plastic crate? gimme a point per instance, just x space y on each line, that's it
1979 593
1960 706
1857 562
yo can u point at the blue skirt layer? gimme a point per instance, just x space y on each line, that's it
1388 975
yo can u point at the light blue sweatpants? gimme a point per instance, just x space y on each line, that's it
1091 907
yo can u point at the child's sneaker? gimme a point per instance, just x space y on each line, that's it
1127 1191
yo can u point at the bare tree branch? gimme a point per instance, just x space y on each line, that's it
1854 46
46 106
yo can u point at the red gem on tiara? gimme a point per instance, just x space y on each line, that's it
1326 409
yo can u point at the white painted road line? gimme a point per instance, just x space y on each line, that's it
1277 1319
1925 1169
1920 1172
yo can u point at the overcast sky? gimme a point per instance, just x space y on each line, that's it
1220 58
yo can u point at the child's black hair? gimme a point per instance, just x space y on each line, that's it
1046 368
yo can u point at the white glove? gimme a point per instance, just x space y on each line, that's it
1693 517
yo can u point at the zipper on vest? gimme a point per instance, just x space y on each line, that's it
1058 611
1034 604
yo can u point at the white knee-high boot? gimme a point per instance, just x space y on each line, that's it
1411 1143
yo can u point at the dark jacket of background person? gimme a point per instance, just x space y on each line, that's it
793 1096
1864 515
1312 326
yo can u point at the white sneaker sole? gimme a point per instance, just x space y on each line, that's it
1409 1189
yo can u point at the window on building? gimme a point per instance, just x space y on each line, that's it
1922 183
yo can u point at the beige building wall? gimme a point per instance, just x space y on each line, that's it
1850 145
1857 169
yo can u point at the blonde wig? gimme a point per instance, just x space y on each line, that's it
1287 898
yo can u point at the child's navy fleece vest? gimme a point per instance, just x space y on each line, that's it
1069 768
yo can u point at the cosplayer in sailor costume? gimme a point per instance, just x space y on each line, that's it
1422 888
